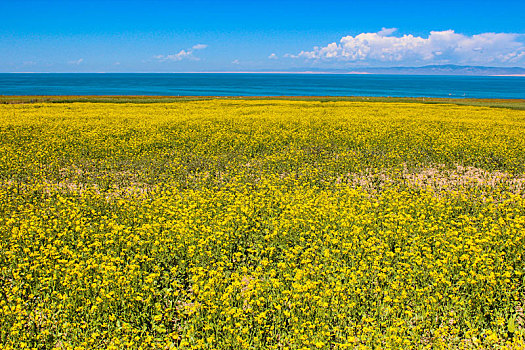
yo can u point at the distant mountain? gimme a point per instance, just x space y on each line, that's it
449 69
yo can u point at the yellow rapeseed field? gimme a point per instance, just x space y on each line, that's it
261 224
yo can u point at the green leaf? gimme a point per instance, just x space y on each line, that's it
159 329
511 326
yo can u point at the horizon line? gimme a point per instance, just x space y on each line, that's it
281 72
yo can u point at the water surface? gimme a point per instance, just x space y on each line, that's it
250 84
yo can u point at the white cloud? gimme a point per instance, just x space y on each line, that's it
199 47
272 56
386 31
438 47
182 54
236 62
77 62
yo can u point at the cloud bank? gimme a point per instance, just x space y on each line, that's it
439 47
182 54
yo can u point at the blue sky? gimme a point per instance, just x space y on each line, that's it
182 36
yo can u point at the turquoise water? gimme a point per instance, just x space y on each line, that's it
224 84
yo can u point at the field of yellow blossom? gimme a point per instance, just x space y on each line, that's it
261 224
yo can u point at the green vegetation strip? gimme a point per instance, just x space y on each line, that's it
518 104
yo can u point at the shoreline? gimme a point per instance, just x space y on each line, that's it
251 97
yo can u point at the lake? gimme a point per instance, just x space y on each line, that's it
254 84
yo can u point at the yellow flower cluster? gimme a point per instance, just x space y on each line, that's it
261 224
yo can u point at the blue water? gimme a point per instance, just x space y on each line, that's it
224 84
